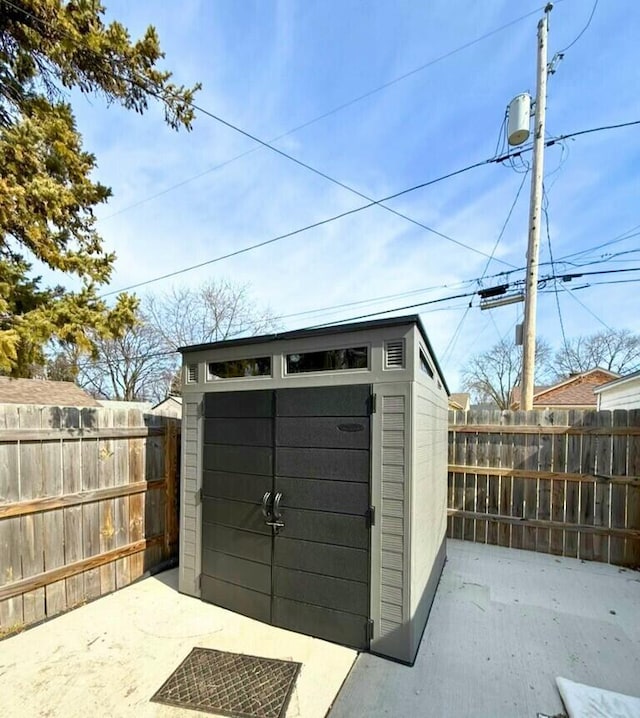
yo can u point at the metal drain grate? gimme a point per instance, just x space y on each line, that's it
232 684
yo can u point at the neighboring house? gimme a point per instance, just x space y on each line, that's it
622 393
576 392
459 402
43 392
171 406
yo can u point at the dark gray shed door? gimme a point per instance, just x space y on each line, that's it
312 447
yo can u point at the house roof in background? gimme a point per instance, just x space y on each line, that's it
617 382
459 400
43 392
576 390
168 401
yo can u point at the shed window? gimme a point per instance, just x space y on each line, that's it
328 360
424 364
192 373
239 368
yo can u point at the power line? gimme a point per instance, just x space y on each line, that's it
332 111
395 309
505 223
584 306
628 234
545 208
306 228
582 32
508 156
618 126
456 333
494 160
429 303
291 158
458 329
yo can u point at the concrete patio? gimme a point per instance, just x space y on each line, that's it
504 624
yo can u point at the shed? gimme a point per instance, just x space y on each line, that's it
314 467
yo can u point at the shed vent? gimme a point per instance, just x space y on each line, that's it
192 373
394 354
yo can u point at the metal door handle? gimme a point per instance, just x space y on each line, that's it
276 507
265 510
276 523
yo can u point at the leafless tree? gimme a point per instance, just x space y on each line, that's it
142 364
217 310
617 350
492 375
133 367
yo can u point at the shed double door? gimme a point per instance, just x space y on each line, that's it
285 508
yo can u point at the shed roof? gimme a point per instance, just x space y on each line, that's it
325 331
42 391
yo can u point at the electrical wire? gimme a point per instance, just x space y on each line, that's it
582 32
450 346
584 306
628 234
454 337
545 211
494 160
306 228
286 155
504 225
509 157
426 303
330 112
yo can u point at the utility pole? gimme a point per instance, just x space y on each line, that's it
531 287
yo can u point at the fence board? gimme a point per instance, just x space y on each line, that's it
121 458
85 496
11 610
632 548
106 480
52 522
32 550
493 507
565 482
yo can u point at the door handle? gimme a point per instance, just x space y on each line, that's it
276 507
276 523
265 509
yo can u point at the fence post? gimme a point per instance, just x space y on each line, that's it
171 475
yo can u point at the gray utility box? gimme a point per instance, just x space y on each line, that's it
314 481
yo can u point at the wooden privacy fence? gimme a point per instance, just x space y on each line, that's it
560 482
88 503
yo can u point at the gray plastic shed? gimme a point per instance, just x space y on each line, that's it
314 485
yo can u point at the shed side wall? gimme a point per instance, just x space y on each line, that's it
189 503
428 509
390 570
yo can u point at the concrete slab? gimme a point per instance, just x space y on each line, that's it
503 625
109 657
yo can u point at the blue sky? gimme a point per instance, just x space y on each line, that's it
269 67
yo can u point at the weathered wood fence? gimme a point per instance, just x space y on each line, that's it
560 482
88 503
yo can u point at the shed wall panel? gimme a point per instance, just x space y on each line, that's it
189 504
390 608
429 498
